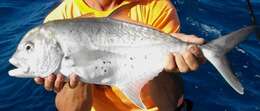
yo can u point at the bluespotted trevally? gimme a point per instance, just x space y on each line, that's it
112 52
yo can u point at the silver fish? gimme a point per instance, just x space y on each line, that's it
111 52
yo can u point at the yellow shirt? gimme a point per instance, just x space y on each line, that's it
156 13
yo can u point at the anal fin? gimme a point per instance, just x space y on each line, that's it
132 91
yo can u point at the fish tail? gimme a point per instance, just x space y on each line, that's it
215 52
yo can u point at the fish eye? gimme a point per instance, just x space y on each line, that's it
28 46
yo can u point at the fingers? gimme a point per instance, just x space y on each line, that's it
189 38
39 80
187 61
175 63
74 80
181 64
49 82
197 54
56 82
170 63
59 82
190 60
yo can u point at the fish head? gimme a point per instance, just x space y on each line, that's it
37 55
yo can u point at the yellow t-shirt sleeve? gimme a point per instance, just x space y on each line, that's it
157 13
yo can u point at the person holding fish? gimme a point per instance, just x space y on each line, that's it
164 92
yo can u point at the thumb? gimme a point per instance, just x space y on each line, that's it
189 38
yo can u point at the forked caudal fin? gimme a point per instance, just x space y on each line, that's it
215 52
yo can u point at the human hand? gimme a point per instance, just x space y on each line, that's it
56 82
190 59
76 99
73 95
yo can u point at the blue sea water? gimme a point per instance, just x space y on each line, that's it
206 88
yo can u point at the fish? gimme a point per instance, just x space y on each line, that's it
112 52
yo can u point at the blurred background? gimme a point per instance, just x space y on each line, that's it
206 88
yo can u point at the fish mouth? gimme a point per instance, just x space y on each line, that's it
19 71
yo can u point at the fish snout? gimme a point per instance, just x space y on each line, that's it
14 62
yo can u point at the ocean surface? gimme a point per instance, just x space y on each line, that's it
205 88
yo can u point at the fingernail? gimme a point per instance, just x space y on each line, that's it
202 40
49 90
57 90
191 48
